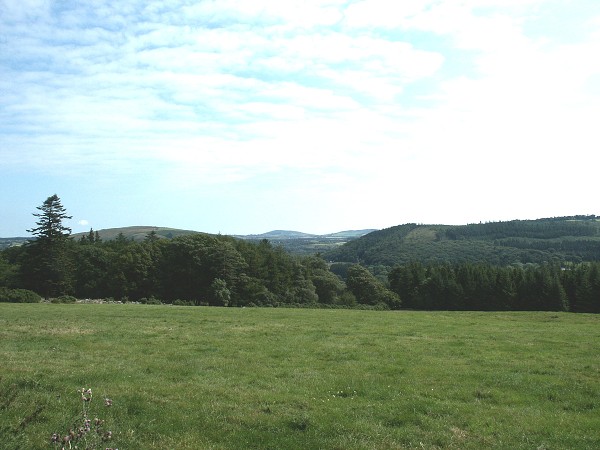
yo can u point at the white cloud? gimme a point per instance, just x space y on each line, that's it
384 13
384 95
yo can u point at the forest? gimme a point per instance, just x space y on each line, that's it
217 270
555 240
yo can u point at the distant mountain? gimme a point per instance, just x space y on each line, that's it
349 234
561 239
292 241
285 234
278 234
306 244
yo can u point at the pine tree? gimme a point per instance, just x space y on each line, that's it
46 267
50 228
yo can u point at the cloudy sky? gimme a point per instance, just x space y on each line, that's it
244 116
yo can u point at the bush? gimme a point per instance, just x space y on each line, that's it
150 301
179 302
18 296
64 299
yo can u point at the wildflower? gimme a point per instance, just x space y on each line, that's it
86 394
86 425
68 437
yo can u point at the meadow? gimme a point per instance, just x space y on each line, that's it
231 378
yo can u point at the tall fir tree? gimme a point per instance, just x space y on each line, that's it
50 228
46 267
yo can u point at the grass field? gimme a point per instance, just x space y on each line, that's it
194 378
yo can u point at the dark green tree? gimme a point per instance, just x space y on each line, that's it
152 236
93 267
7 271
368 289
328 286
406 281
47 267
50 226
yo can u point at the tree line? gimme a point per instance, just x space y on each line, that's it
548 287
199 269
204 269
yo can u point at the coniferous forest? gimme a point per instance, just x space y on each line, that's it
204 269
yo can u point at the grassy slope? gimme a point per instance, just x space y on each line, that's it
275 378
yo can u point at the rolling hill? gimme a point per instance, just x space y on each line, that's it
292 241
137 233
561 239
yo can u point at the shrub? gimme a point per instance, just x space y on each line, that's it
64 299
18 296
153 301
180 302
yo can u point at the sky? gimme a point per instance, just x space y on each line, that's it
245 116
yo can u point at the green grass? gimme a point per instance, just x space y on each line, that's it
194 378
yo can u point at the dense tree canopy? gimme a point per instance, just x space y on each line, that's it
486 287
204 269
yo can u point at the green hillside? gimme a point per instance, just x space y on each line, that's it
138 233
574 238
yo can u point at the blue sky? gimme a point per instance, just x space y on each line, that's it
245 116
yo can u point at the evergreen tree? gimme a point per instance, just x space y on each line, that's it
49 226
46 267
152 236
406 282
